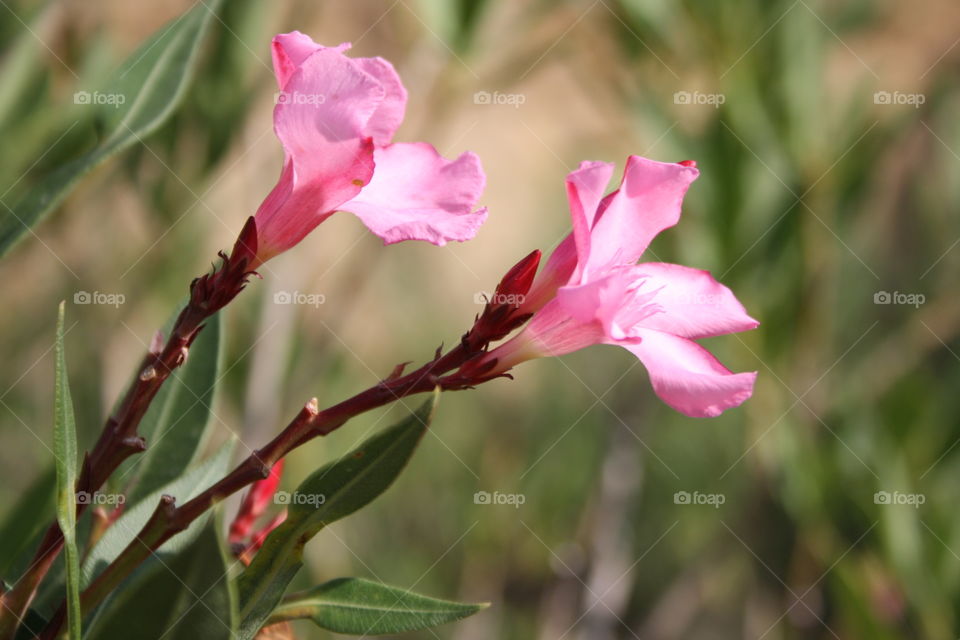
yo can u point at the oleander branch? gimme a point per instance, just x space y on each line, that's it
120 439
496 321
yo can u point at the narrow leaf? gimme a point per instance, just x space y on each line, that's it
362 607
65 451
191 597
148 87
25 523
330 493
125 529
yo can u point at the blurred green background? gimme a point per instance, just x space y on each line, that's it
828 147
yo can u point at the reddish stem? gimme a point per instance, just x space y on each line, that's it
496 321
168 519
119 439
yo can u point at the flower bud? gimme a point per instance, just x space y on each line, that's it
517 282
255 503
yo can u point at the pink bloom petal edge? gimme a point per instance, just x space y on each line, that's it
336 117
592 291
417 194
688 377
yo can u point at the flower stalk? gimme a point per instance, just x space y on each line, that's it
119 439
496 321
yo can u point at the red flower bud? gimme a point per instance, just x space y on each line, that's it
245 248
516 284
254 503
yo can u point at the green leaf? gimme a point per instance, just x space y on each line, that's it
192 597
178 429
65 451
330 493
362 607
25 522
151 82
20 66
125 529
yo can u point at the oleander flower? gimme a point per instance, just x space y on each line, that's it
592 291
335 117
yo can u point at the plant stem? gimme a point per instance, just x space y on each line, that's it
119 439
496 321
168 519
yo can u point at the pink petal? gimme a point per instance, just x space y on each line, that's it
693 304
416 194
389 114
647 202
329 100
585 188
290 50
552 331
687 377
619 302
556 273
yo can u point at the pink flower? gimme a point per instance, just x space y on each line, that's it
591 291
335 117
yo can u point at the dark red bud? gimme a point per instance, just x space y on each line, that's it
245 248
519 279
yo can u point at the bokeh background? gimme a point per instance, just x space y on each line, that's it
827 138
